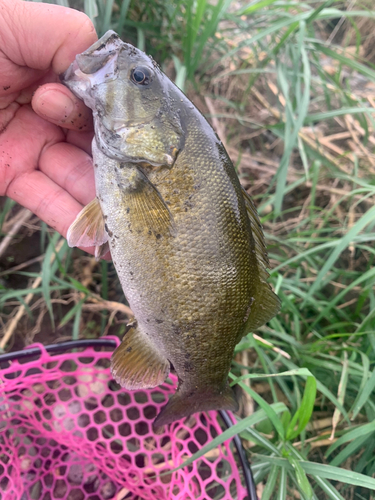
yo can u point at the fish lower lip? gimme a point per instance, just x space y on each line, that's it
69 74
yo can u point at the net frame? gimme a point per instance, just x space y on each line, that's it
24 374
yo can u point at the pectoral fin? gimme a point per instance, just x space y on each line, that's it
136 363
88 229
146 209
101 250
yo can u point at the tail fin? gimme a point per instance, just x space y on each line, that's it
186 402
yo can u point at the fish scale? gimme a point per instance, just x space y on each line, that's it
184 236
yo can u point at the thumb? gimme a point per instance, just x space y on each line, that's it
40 36
56 103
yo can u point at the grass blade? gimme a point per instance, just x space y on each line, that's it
305 410
107 16
363 430
47 274
91 10
326 471
337 474
367 391
301 477
271 482
341 392
343 243
349 451
254 6
293 124
328 488
72 312
77 321
266 407
123 14
281 494
229 433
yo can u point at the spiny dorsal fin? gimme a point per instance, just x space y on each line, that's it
88 228
136 363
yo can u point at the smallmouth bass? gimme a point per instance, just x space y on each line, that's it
185 237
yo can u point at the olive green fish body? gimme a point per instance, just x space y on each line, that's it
184 236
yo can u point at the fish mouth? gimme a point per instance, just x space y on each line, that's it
95 66
70 74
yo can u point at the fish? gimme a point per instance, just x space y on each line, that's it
184 236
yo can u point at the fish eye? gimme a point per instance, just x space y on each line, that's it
141 75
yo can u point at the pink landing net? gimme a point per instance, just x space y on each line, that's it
68 431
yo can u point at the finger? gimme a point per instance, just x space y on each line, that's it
82 140
22 142
70 168
56 103
51 203
24 95
13 77
30 143
37 36
7 115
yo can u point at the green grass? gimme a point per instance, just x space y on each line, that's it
279 88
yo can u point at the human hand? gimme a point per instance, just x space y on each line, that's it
45 131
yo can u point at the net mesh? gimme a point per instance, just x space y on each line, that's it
68 431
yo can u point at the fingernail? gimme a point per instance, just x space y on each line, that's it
55 105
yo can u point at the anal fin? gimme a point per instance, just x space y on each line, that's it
136 363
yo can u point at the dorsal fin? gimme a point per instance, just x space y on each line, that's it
265 305
257 231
